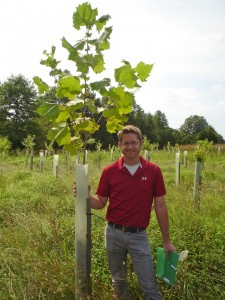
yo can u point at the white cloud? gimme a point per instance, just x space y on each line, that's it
221 103
211 46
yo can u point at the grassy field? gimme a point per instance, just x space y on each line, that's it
37 229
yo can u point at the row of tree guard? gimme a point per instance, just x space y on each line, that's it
197 177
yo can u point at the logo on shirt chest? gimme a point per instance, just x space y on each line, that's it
143 178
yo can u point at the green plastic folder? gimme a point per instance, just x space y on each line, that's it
166 268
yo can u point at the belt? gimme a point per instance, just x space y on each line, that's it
126 228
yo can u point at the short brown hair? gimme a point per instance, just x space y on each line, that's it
130 129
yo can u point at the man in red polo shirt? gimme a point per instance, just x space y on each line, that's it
131 184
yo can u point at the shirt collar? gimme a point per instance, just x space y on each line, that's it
121 162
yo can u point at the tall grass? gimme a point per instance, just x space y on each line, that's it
37 230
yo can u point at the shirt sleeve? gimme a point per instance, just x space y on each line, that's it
103 185
159 185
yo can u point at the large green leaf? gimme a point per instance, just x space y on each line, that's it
105 45
101 22
143 70
63 116
98 63
86 126
68 87
75 145
73 50
103 42
110 113
122 99
80 45
117 93
82 65
75 104
114 124
42 86
84 16
125 106
88 59
49 111
126 76
60 134
101 85
67 45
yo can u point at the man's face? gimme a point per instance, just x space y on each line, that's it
130 145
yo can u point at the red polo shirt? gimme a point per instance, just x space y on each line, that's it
131 196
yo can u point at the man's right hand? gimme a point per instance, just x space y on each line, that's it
74 189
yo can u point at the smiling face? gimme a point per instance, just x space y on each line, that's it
130 146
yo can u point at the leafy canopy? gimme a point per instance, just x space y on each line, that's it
77 117
202 148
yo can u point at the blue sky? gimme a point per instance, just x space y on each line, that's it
185 39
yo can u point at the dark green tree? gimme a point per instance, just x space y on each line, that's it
150 130
210 134
160 120
137 117
197 128
161 128
144 121
173 136
18 105
194 125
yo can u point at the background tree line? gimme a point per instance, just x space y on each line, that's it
19 102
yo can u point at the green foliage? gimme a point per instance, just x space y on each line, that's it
18 109
28 142
146 143
42 87
197 128
5 144
194 124
98 146
210 134
18 105
168 146
148 146
203 147
177 147
73 119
